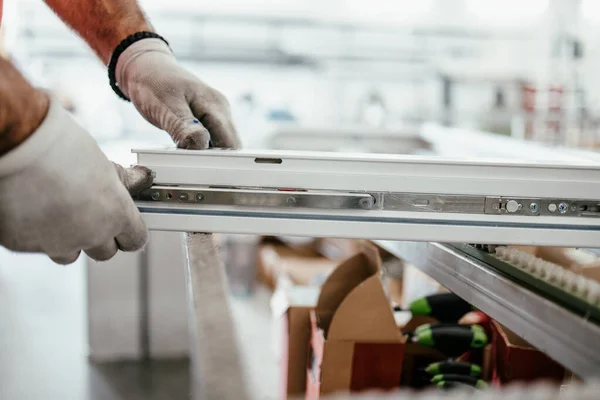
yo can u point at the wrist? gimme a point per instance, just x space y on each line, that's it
20 115
55 125
126 52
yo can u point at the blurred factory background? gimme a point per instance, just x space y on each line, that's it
341 75
521 68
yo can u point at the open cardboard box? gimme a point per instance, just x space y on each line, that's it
295 276
515 360
355 344
302 267
291 305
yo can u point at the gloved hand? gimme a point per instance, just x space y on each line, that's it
59 195
173 99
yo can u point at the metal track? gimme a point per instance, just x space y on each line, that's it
337 200
372 197
566 337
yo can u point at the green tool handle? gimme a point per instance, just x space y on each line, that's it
453 340
446 325
455 385
454 367
469 380
445 307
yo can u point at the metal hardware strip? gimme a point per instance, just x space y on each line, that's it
336 200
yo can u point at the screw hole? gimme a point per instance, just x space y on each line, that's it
169 196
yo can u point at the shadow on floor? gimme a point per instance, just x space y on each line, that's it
154 380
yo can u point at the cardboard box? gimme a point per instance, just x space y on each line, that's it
515 360
295 275
355 344
342 249
338 249
291 305
302 267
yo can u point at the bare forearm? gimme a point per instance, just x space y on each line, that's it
103 24
22 107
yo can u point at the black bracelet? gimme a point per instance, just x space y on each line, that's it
125 43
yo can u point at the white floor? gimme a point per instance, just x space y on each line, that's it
43 341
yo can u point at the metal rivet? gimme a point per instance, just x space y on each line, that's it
290 201
155 195
199 197
551 207
366 203
512 206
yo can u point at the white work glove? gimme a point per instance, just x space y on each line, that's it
173 99
59 195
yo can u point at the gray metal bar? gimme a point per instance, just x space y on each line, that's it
566 337
217 371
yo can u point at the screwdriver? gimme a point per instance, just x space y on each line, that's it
444 325
452 340
445 307
455 385
441 379
454 367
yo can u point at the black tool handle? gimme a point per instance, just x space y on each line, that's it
455 367
452 341
448 307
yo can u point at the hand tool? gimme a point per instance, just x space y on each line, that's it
439 380
422 328
445 307
452 340
454 367
456 385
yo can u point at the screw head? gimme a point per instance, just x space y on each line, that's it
290 201
533 207
563 207
199 197
155 196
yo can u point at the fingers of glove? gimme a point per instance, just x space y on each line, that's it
185 129
216 117
134 234
135 179
103 252
66 259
